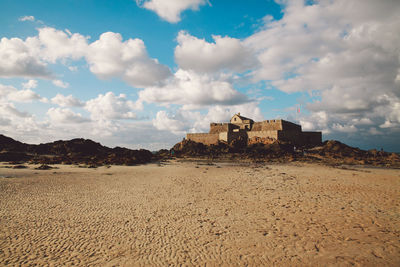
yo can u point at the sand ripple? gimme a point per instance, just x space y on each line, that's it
184 213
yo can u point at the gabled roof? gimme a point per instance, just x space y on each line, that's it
241 117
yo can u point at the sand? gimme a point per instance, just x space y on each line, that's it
196 214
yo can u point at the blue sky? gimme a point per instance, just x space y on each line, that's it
143 73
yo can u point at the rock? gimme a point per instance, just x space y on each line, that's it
331 152
71 152
44 167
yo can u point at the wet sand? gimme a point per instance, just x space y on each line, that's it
194 214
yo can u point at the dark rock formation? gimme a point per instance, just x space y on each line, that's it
74 151
337 153
238 148
260 149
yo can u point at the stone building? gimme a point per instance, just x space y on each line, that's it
240 126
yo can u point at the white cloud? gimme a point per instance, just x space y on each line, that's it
67 101
110 106
193 90
20 58
16 122
29 58
8 110
184 121
348 128
65 116
111 57
30 84
108 57
5 121
60 83
64 123
24 96
58 44
10 93
27 18
170 10
348 51
224 54
171 124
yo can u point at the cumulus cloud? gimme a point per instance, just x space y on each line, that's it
24 96
111 106
170 10
29 58
225 53
67 101
65 116
57 44
184 121
65 123
60 83
10 93
172 124
30 84
111 57
20 58
108 57
193 90
27 18
347 51
8 110
13 121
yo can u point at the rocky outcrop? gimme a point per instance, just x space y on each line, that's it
73 151
236 149
336 152
264 149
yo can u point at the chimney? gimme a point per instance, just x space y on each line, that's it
238 113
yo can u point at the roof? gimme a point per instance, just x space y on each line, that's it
241 117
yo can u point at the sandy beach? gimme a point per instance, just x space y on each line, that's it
195 213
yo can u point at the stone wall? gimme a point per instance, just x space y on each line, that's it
268 125
274 129
301 138
235 135
294 137
221 127
263 134
205 138
275 125
290 126
312 138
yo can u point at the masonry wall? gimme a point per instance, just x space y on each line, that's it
290 126
205 138
312 138
276 129
235 135
301 138
294 137
221 127
263 134
268 125
275 125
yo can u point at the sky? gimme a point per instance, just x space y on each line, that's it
142 74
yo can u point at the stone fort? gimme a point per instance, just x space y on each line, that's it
242 127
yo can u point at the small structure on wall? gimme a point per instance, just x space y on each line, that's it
242 127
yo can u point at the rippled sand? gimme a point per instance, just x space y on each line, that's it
199 214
